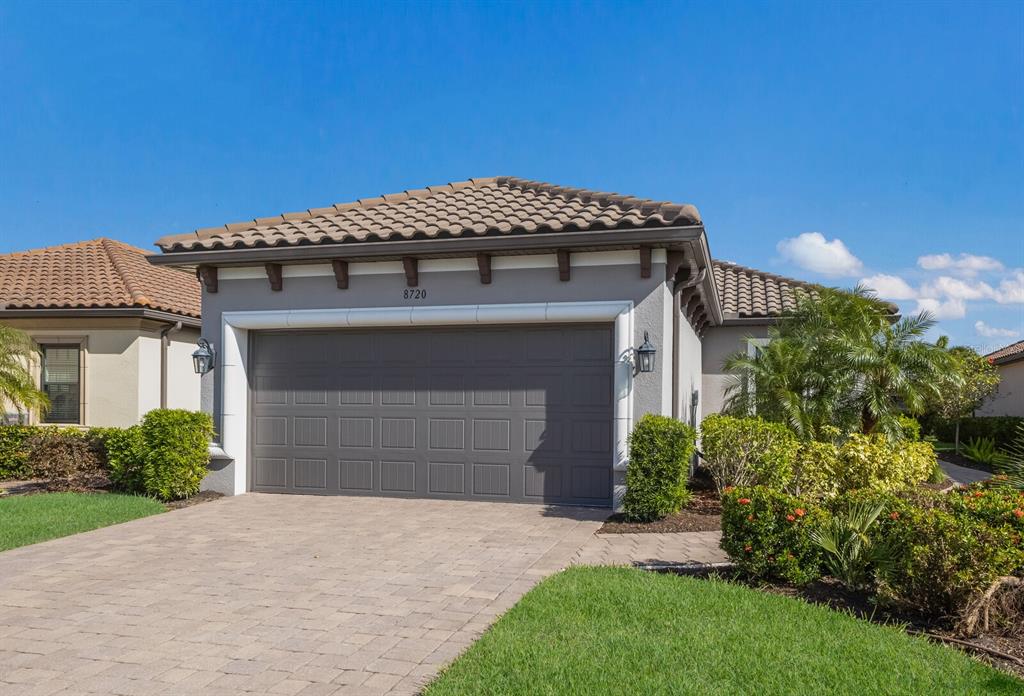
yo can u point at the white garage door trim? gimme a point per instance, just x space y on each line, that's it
234 354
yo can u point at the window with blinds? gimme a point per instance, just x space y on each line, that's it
60 381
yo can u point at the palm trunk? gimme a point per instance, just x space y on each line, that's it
956 441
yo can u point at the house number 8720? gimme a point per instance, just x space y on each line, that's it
414 294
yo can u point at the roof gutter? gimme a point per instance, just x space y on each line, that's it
102 312
663 236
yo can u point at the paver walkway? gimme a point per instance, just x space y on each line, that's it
963 474
651 549
273 594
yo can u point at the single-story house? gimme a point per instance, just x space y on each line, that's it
487 339
1009 397
115 333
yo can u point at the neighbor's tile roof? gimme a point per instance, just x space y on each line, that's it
749 293
500 205
100 273
1012 352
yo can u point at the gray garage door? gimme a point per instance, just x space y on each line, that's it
521 414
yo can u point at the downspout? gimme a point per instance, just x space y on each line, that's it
164 343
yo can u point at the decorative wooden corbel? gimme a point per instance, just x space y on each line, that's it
412 275
208 276
483 262
645 262
340 273
275 276
691 307
564 268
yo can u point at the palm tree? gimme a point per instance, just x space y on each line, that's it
838 360
18 353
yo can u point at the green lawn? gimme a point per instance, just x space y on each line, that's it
624 631
28 519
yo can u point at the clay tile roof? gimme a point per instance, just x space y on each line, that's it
749 293
1010 353
100 273
499 205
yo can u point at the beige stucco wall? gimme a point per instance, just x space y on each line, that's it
1009 398
120 365
719 343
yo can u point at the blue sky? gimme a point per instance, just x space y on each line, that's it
896 129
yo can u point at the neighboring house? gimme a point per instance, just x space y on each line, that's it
477 340
1009 397
116 333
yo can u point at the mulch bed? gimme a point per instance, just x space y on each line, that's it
200 497
100 484
703 514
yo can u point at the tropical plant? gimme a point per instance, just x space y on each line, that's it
851 555
18 355
969 380
839 359
1011 464
982 450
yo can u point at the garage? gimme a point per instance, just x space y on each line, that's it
520 413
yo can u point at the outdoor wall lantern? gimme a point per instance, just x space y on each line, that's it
204 356
645 355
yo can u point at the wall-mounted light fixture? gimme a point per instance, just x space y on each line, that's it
646 355
204 358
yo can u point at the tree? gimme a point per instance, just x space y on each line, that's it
838 359
969 380
18 353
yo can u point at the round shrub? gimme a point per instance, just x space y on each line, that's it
660 449
66 459
747 451
878 463
126 458
14 451
765 533
176 443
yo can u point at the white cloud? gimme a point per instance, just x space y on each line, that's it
987 331
890 287
813 252
964 264
952 308
944 286
1011 290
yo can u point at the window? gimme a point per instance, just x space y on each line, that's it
60 381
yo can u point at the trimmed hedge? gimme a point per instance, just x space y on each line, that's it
165 457
1002 429
765 533
747 451
660 449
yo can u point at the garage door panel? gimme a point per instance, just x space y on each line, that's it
433 413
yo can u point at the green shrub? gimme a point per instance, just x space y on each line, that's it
176 443
660 449
126 458
853 554
981 450
994 504
999 428
66 458
766 534
944 559
816 470
910 427
14 451
747 451
875 462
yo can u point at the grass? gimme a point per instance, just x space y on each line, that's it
626 631
29 519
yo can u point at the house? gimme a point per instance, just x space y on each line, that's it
487 339
1009 397
115 333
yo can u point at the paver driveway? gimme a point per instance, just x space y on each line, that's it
272 594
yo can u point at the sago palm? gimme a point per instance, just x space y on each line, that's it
18 354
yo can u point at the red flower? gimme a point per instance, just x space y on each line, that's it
799 512
894 515
729 489
748 548
750 518
790 518
744 501
978 494
1018 513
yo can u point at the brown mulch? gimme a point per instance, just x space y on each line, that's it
200 497
702 514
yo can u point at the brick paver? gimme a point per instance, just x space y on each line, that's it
273 594
651 549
